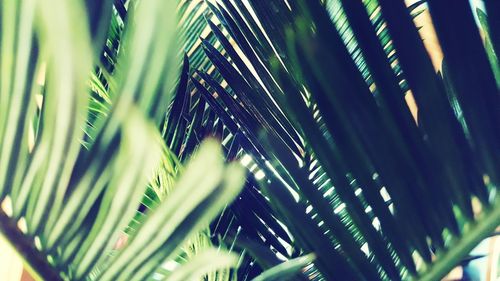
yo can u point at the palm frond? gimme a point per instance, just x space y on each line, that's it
64 206
316 97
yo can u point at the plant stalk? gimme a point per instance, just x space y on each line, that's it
34 262
476 233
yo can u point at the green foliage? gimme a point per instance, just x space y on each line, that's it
65 205
96 123
313 93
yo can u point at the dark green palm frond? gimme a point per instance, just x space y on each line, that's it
246 216
255 83
379 181
482 82
339 12
191 120
248 123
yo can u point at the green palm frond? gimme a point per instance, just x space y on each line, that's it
319 105
64 205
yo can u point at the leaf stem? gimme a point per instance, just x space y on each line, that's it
34 262
476 233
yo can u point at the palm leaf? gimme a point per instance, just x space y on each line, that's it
64 206
362 159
